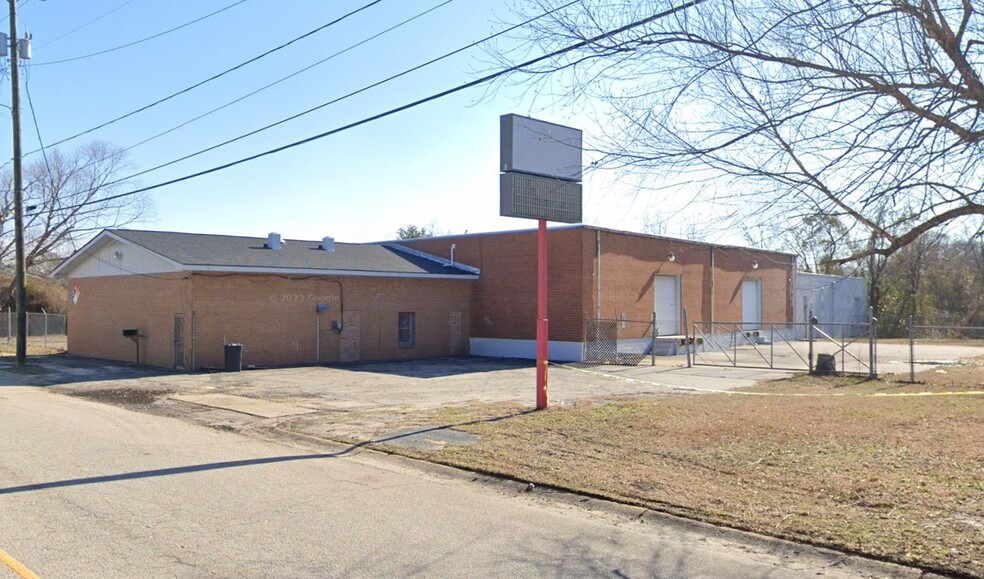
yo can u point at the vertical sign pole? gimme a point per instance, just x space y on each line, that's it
542 326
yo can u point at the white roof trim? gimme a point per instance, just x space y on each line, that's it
311 271
432 257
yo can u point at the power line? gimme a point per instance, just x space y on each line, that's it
135 42
93 21
289 76
390 112
37 129
19 6
213 77
341 98
336 100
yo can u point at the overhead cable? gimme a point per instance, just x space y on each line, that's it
393 111
213 77
338 99
89 23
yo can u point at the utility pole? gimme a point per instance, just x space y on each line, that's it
21 270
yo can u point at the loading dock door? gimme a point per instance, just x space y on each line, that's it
751 304
666 304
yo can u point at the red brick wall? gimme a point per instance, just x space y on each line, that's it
629 263
504 299
274 317
108 305
732 266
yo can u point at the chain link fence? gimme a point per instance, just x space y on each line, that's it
928 346
47 330
620 342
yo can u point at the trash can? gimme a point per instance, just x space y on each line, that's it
233 357
826 365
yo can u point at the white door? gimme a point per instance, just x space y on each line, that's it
666 304
751 304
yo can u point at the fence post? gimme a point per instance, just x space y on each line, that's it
652 344
912 354
43 311
772 345
809 338
686 335
734 343
872 344
8 325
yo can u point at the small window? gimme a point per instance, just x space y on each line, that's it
407 329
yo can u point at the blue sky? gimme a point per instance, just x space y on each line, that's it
435 164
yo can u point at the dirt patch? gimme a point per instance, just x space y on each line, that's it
120 396
860 465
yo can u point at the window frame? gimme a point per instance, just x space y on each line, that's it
406 322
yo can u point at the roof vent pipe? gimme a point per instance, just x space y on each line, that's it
273 241
328 243
453 246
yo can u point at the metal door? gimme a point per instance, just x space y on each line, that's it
751 304
666 304
179 348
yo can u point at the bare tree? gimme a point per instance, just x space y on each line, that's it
868 112
64 200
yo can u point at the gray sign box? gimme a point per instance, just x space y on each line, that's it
540 148
535 197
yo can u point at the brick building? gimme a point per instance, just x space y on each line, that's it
597 273
306 302
290 302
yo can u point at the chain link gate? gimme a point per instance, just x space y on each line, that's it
786 346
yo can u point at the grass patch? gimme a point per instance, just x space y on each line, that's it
899 478
54 345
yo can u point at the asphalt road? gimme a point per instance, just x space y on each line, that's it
91 490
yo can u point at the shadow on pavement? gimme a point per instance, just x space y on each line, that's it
159 472
62 369
440 367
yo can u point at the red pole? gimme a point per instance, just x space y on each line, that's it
542 326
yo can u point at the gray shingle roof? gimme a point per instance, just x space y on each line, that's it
192 249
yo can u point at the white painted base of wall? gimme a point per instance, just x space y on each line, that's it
506 348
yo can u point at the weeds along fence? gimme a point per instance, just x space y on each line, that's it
928 346
40 326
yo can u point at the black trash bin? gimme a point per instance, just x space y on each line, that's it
233 357
826 365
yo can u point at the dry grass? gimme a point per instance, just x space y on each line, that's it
36 346
900 478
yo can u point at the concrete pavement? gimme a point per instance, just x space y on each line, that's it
91 490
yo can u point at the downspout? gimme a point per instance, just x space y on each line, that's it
598 276
793 286
337 327
712 285
193 329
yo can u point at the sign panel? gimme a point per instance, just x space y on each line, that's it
540 148
536 197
